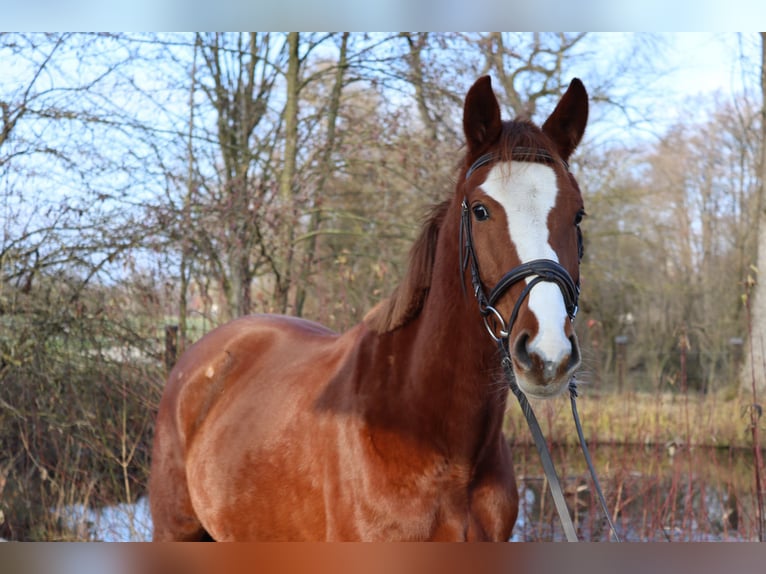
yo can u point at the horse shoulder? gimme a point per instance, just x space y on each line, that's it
225 363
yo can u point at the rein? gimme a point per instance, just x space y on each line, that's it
542 270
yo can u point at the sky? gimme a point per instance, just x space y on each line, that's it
382 15
695 64
689 71
705 63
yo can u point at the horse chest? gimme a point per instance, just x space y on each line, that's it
406 494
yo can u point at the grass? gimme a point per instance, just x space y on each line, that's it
716 420
673 467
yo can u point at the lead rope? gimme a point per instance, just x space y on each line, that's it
542 448
545 456
588 461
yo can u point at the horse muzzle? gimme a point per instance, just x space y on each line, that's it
544 372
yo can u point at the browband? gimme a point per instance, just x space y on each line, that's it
519 154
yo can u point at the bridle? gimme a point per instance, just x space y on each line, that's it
542 269
546 270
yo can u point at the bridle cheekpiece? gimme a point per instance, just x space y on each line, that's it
542 269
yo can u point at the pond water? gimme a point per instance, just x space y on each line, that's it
668 493
120 523
654 493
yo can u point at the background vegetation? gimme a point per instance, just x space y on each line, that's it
149 181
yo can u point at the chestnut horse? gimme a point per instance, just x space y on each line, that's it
277 428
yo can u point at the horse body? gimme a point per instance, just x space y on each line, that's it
276 428
359 449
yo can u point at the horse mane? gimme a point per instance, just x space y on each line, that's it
406 301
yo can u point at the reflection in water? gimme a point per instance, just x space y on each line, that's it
654 494
700 494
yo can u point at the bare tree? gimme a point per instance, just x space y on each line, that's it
240 73
529 67
66 235
754 372
325 170
283 263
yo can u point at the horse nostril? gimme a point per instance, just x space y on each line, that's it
521 353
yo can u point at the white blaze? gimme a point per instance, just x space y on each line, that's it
527 192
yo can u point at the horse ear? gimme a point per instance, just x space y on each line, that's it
566 124
481 116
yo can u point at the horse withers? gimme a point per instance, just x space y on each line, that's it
277 428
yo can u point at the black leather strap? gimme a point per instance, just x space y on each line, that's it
545 270
521 153
545 456
542 448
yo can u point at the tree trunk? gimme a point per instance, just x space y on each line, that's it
285 262
754 373
416 43
326 168
186 247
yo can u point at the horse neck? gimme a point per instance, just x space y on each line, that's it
443 369
457 354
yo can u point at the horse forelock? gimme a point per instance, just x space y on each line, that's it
406 301
522 134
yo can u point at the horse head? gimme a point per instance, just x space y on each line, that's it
521 245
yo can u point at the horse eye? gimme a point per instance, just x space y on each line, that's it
578 217
480 212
